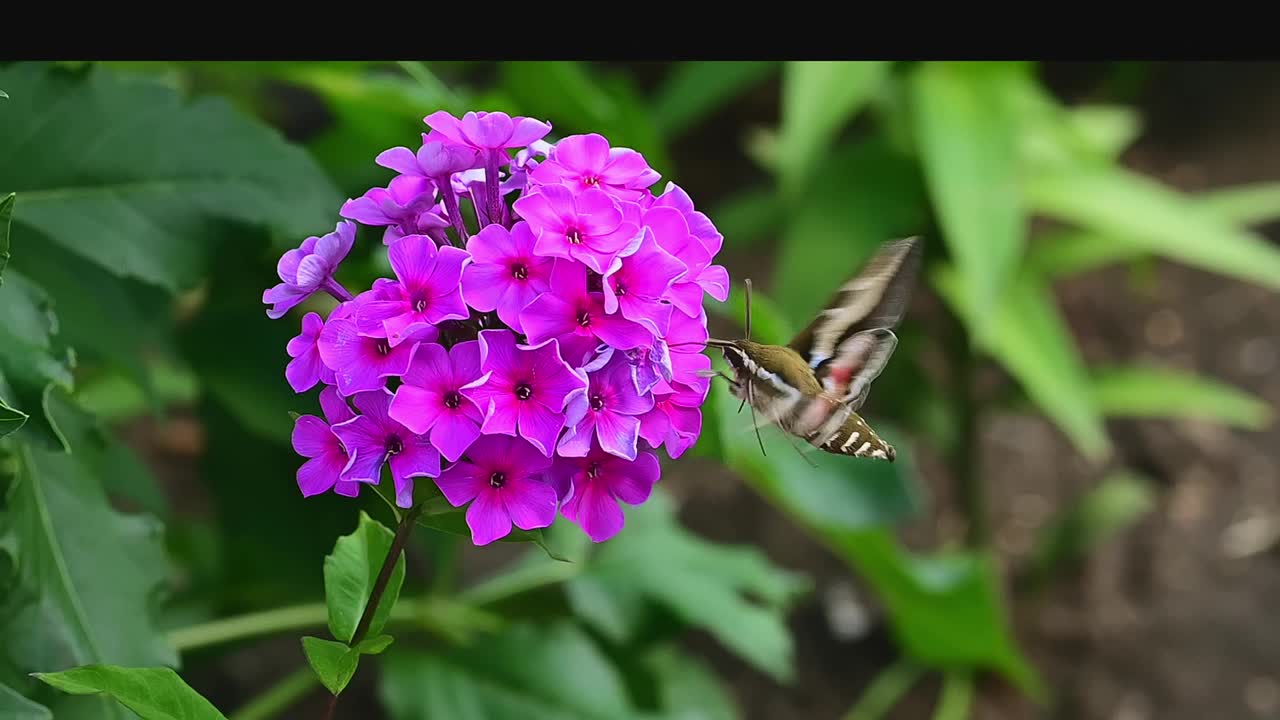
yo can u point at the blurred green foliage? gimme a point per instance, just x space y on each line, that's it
145 204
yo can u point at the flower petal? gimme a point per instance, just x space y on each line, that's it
487 517
529 503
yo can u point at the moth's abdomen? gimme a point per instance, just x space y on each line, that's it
856 439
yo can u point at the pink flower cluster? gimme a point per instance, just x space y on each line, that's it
529 368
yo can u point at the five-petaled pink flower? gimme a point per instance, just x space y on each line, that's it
504 480
589 226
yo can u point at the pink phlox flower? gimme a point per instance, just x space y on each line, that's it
599 482
306 369
636 284
364 362
326 456
577 318
607 411
373 439
430 399
504 480
308 268
505 275
429 290
524 388
589 226
586 161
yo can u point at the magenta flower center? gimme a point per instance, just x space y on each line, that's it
382 347
574 236
591 181
619 288
519 271
420 304
394 445
452 400
523 391
498 479
597 402
584 318
593 471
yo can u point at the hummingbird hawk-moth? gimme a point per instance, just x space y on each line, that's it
813 387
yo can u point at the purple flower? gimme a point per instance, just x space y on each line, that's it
407 206
504 274
437 159
606 410
306 368
577 318
310 267
361 362
372 438
524 388
650 365
488 130
600 480
670 227
587 161
674 421
637 283
429 291
313 438
587 226
686 338
431 399
502 478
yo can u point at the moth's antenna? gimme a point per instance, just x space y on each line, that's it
748 283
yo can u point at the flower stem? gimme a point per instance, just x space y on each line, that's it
451 207
491 184
380 584
334 288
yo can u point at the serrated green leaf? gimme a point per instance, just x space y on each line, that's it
704 584
1030 339
350 573
692 90
1138 211
818 99
86 574
967 136
333 662
517 674
127 162
871 193
16 707
28 357
1151 392
6 215
152 693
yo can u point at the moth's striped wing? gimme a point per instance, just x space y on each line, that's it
851 340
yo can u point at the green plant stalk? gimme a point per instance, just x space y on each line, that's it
966 455
380 584
278 697
885 690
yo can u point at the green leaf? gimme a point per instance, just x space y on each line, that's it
28 358
693 90
1242 204
126 161
688 689
1140 212
884 691
517 674
86 574
870 193
4 95
374 645
818 99
1151 392
1121 499
16 707
6 215
944 609
333 662
704 584
1030 339
957 697
1106 129
152 693
967 136
350 573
